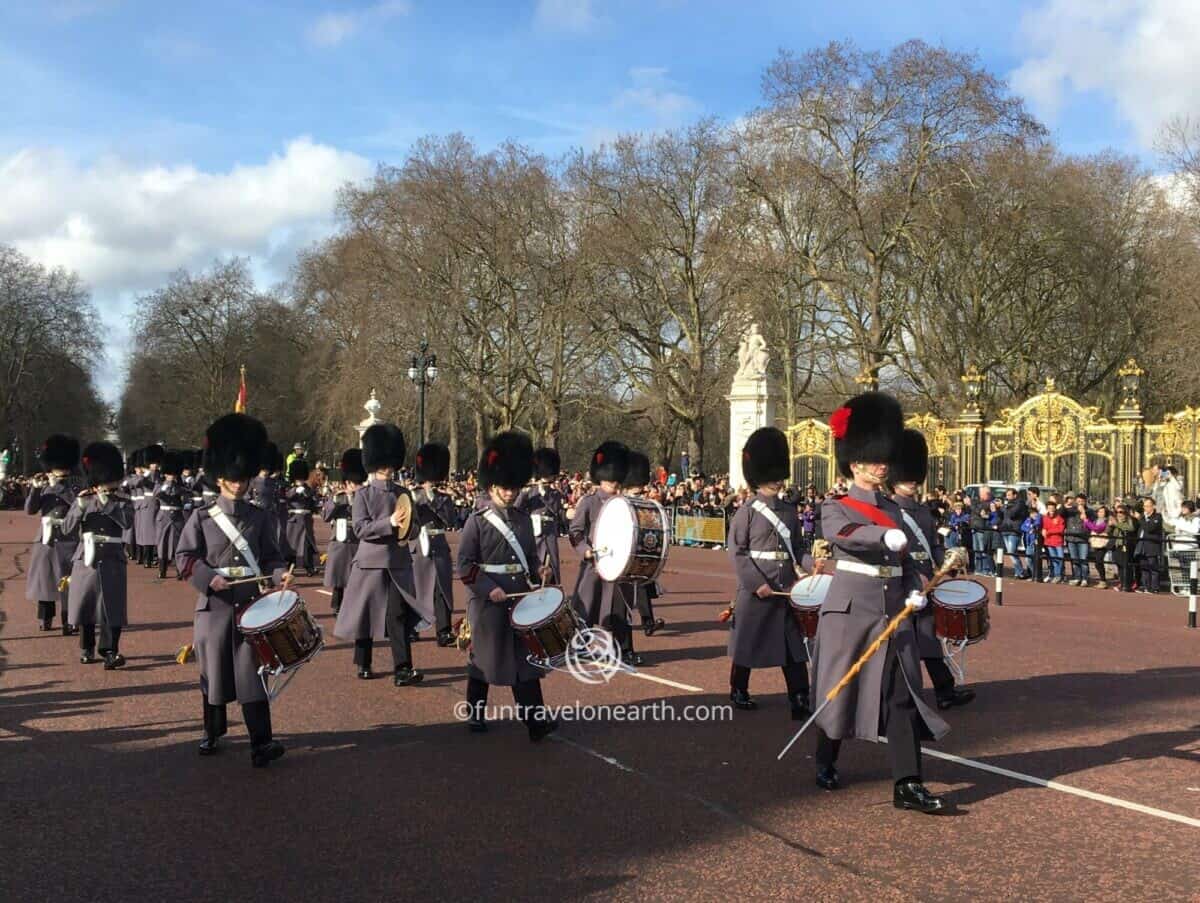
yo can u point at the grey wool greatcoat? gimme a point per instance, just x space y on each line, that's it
764 630
301 505
228 664
49 562
129 486
97 594
339 554
856 610
498 655
381 559
545 502
927 639
595 597
146 509
435 574
172 496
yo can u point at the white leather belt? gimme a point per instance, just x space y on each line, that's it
502 569
883 572
770 556
50 519
168 507
919 556
103 538
237 572
430 531
299 511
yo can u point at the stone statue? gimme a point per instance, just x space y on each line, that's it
752 356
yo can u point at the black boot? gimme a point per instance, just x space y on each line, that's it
800 709
113 660
828 777
406 675
445 638
954 696
741 699
263 755
911 794
540 728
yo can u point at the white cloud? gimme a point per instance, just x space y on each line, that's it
652 91
332 29
1140 53
70 10
564 15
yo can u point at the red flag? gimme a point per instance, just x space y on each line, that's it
239 406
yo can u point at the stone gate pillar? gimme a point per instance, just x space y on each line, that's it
753 399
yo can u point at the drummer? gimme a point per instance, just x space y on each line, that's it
607 470
301 505
50 558
337 510
230 541
906 473
496 555
636 593
544 502
764 543
433 573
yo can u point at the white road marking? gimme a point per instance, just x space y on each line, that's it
325 592
663 680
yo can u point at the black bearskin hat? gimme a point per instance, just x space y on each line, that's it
155 454
911 464
433 463
639 470
298 470
60 452
139 457
766 457
507 461
546 463
235 447
609 462
102 464
271 460
352 466
173 463
866 428
383 446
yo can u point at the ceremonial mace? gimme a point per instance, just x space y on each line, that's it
956 560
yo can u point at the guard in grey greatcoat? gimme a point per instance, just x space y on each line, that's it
97 593
172 497
873 582
491 568
380 601
337 511
597 600
301 506
765 545
631 595
544 503
925 548
433 574
266 493
210 560
130 487
145 525
50 497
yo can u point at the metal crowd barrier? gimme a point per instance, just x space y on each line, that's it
697 529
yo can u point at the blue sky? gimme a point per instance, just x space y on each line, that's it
139 137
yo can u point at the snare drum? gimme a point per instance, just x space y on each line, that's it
630 539
281 630
805 598
545 621
960 611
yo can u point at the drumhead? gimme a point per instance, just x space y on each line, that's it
615 532
268 609
959 593
810 591
537 606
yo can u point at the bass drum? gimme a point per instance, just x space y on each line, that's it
630 539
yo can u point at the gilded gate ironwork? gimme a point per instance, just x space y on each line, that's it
1050 440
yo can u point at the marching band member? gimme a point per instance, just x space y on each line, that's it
129 487
640 594
872 572
433 575
97 591
380 599
496 557
765 545
338 511
52 551
544 502
607 469
906 473
265 493
146 511
173 497
301 505
230 541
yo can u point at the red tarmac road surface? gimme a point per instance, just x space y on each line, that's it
383 794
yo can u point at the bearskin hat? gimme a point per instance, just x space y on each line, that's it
60 452
433 463
609 462
155 454
383 446
766 457
546 463
102 463
173 463
351 466
507 461
639 470
911 464
298 470
235 447
866 428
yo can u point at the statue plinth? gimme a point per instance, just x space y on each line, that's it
373 407
752 404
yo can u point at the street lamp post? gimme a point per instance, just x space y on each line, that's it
423 373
